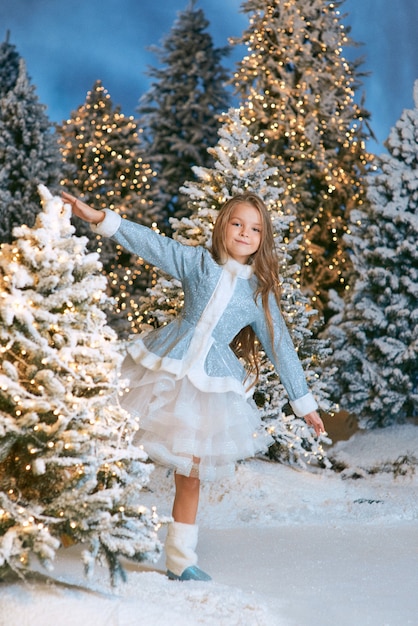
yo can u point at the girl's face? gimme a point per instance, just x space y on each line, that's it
243 232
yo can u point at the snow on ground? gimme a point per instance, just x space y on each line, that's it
285 547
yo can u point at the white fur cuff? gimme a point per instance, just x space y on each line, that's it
109 225
304 405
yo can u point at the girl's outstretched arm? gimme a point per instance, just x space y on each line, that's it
83 210
169 255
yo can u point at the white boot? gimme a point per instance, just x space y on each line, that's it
181 558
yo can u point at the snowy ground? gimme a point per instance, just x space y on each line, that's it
285 548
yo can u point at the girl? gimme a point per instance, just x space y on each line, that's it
189 391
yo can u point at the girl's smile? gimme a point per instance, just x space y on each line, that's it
243 232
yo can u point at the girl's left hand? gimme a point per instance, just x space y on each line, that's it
313 419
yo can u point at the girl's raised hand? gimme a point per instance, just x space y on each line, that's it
83 210
313 419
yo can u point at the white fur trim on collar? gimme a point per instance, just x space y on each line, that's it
238 269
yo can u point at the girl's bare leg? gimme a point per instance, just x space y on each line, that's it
182 534
186 500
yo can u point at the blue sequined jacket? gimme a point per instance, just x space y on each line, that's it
218 303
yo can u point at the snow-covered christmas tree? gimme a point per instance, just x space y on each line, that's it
239 167
9 65
179 114
375 333
105 165
297 91
68 469
29 154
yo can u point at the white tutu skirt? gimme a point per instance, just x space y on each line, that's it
195 433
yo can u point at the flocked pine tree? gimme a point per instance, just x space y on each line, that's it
29 154
375 334
297 90
9 65
104 164
239 167
179 114
68 469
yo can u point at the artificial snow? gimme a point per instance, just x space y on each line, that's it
285 547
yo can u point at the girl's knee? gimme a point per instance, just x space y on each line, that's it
187 483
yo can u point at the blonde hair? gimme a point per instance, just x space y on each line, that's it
265 264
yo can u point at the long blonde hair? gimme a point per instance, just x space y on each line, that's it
265 264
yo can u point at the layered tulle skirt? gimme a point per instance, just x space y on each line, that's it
191 431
